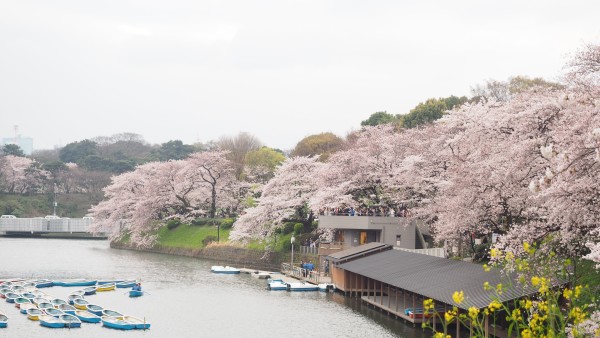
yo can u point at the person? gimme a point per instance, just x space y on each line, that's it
137 287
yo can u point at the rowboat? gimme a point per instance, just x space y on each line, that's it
25 307
38 300
29 295
95 309
43 283
111 313
260 275
50 321
78 293
53 312
126 284
302 287
116 323
18 289
136 293
66 308
105 287
140 324
34 314
71 298
90 290
76 282
21 300
277 285
57 301
4 291
87 317
45 305
70 320
224 269
81 304
11 297
3 319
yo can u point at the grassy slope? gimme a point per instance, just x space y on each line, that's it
189 236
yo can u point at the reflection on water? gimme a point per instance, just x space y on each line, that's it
183 298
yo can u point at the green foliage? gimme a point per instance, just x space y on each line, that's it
173 223
27 206
55 167
263 162
288 227
201 221
321 145
378 118
226 223
173 150
13 149
298 227
430 110
75 152
98 163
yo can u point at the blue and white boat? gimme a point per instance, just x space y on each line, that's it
34 314
90 290
87 317
81 304
302 287
76 282
117 323
25 307
45 305
43 283
277 285
53 312
95 309
51 322
71 298
112 313
57 301
224 269
70 321
66 308
126 284
136 293
3 319
11 297
140 324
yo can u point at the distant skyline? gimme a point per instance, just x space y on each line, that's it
279 70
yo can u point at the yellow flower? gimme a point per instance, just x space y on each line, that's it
535 280
567 293
577 314
525 333
473 312
525 246
516 315
486 286
577 291
499 288
439 335
494 253
449 316
458 297
428 304
509 256
486 268
494 305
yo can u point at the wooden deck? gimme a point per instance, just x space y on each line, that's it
392 306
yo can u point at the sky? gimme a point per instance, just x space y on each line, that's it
280 70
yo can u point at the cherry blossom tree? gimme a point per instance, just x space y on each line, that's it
284 199
21 175
137 202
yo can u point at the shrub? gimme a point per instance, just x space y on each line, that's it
209 239
298 227
201 221
287 228
226 223
173 223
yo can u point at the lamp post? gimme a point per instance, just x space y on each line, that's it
292 240
218 232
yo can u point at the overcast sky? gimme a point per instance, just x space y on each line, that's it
281 70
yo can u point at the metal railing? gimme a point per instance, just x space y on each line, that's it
313 276
33 225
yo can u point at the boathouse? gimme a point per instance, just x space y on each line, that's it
397 282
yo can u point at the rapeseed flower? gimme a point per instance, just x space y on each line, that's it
458 297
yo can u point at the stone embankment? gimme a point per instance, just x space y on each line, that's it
222 254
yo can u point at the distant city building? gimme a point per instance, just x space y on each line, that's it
25 143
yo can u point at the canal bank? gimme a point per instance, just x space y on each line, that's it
221 253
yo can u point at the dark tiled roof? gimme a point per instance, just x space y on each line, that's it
358 251
436 278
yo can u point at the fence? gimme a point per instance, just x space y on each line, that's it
313 276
